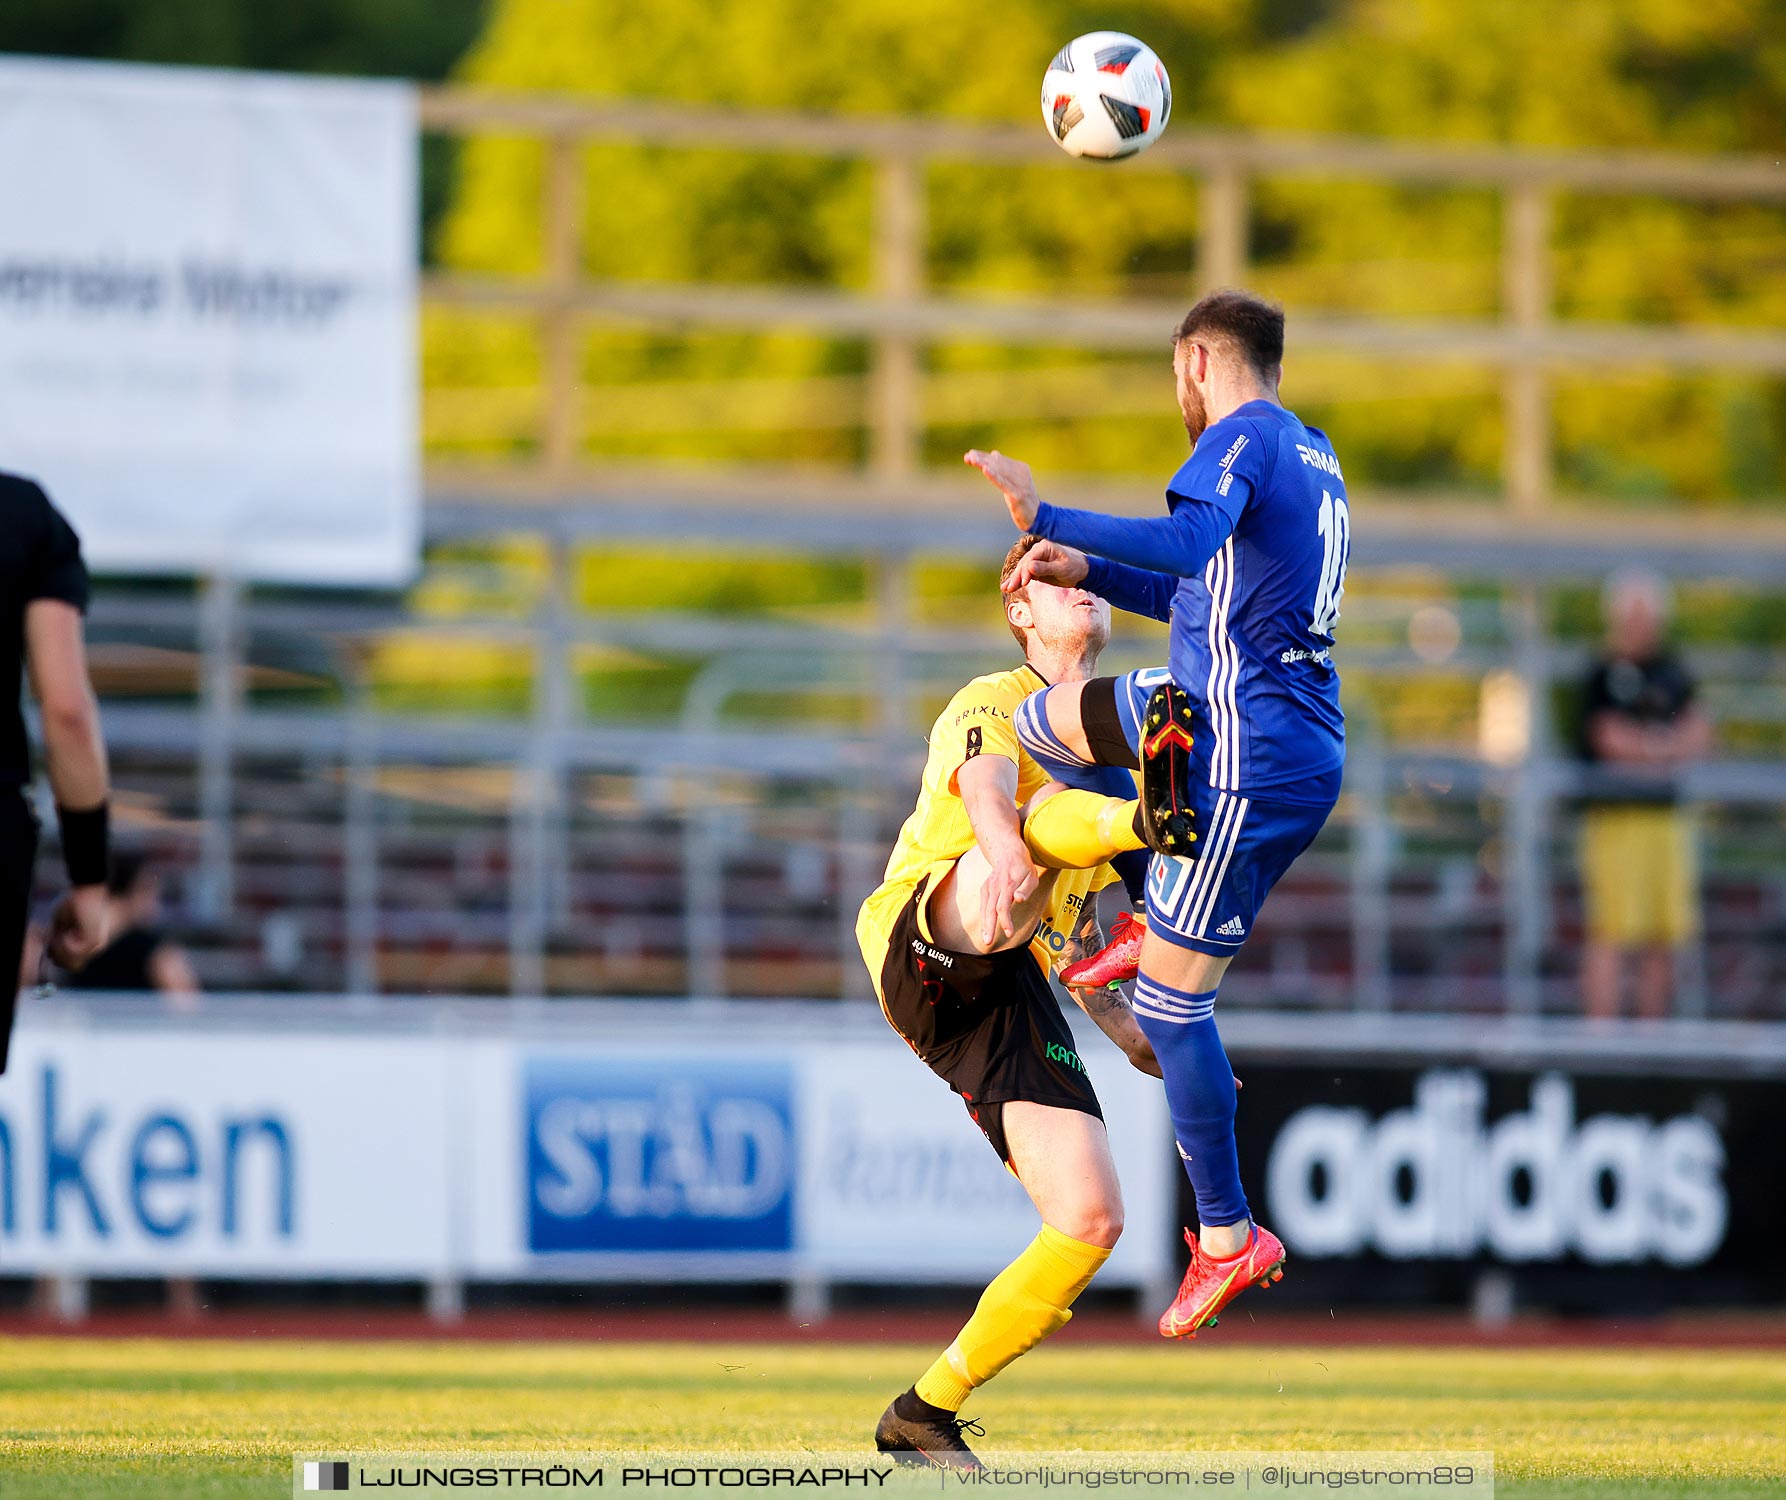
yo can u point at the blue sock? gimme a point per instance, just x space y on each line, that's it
1049 750
1132 866
1199 1093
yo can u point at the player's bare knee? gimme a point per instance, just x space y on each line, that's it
1042 794
1097 1221
953 909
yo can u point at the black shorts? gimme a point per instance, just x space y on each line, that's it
18 861
987 1024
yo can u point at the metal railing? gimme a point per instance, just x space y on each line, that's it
547 914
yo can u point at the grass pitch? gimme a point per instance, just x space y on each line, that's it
164 1418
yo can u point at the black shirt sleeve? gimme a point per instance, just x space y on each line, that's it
1658 691
57 571
1681 688
1596 697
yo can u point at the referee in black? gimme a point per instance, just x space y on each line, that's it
43 593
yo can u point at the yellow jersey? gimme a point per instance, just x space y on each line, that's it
978 721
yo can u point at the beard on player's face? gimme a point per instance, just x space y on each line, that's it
1196 414
1061 622
1190 399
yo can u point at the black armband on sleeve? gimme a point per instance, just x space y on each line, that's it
86 843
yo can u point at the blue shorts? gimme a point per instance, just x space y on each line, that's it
1244 843
1209 904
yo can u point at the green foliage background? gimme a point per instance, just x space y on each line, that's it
1671 74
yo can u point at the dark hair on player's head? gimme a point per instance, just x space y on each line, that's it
1246 327
1012 558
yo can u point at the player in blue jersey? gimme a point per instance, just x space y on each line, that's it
1239 739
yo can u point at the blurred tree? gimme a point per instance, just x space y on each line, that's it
1693 74
1672 74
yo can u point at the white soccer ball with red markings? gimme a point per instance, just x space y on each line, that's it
1106 95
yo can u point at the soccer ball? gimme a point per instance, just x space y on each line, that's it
1106 95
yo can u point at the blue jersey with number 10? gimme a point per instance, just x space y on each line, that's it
1252 637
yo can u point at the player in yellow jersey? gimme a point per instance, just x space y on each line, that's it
959 938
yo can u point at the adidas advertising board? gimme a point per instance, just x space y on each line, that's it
1582 1181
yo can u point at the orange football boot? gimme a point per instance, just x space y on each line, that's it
1117 962
1209 1284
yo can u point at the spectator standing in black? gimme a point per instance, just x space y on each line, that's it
1640 879
43 594
140 956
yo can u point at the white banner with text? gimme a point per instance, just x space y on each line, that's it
273 1153
207 317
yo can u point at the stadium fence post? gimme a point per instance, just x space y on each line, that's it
526 837
446 1299
895 374
359 837
705 847
561 227
64 1298
219 633
1222 241
1526 303
858 872
1372 859
1525 877
563 713
1493 1298
809 1296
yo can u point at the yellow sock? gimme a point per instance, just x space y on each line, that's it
1075 830
1026 1302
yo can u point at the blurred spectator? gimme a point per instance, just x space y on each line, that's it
1639 870
140 955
